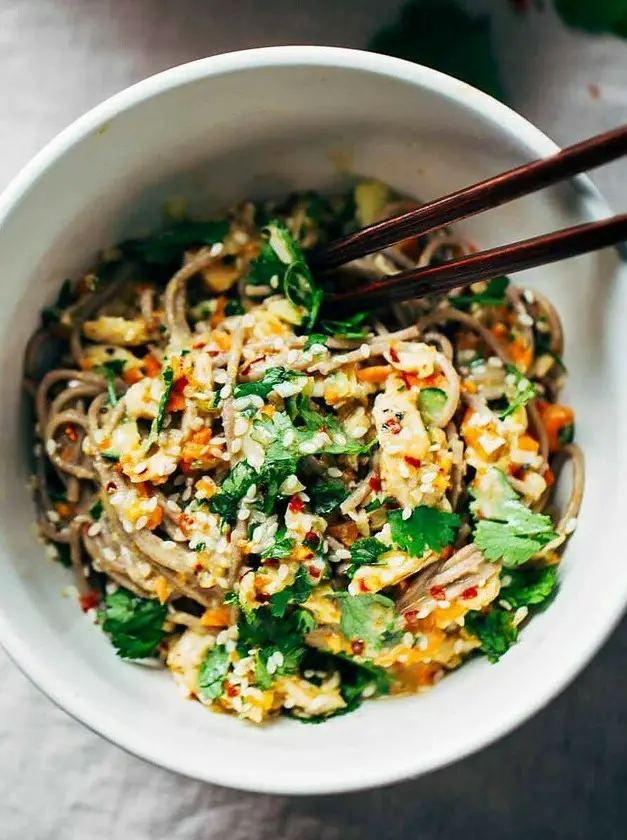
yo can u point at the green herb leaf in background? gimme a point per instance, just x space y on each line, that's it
595 16
442 35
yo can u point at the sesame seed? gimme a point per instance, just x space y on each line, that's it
225 392
333 472
51 446
406 513
243 514
241 426
365 351
141 523
236 446
94 529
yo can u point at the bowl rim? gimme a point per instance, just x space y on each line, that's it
509 122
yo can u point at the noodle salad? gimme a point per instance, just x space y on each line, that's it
294 513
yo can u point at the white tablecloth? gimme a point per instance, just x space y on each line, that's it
562 775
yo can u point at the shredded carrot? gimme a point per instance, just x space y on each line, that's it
155 518
217 315
301 552
555 417
163 589
528 444
216 617
268 410
63 509
151 366
469 387
132 375
374 373
206 487
549 476
176 402
520 353
222 339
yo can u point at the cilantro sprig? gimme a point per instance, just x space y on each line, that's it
281 264
271 378
367 618
427 528
134 624
511 533
519 393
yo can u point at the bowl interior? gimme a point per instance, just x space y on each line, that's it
214 133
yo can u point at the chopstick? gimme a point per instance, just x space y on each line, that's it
506 259
493 192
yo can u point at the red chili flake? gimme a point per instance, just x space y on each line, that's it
231 690
185 522
516 470
362 586
394 355
71 434
406 379
437 593
271 563
198 567
296 504
411 618
245 370
213 353
413 462
180 384
375 483
89 601
111 487
357 647
314 572
312 538
393 426
198 345
470 593
262 597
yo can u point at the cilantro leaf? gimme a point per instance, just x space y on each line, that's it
355 678
232 491
350 328
168 247
213 673
233 307
494 629
271 378
366 552
283 547
295 593
366 617
325 498
500 543
529 587
494 295
427 528
95 511
271 634
519 393
442 35
315 338
602 16
167 375
134 624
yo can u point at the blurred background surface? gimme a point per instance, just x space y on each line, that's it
563 774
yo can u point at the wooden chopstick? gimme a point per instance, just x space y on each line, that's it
507 259
505 187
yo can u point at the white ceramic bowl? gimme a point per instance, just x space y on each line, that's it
265 122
